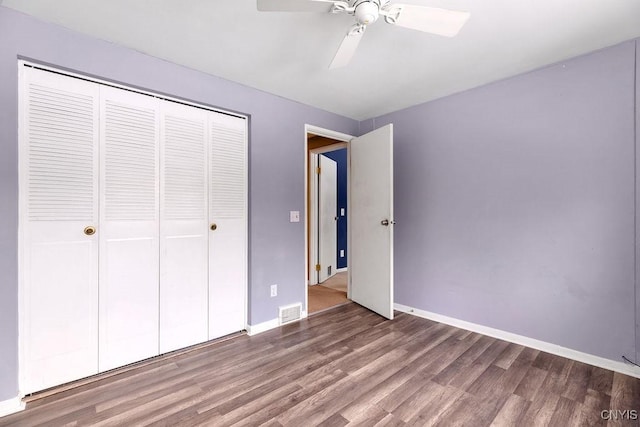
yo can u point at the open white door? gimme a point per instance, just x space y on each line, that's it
371 221
327 223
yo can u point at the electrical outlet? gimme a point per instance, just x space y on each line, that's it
341 253
274 290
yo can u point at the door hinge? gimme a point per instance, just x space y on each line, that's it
318 170
317 267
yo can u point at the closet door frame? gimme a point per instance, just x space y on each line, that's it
22 319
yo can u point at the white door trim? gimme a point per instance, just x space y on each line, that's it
311 228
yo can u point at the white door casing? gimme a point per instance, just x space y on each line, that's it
183 226
371 206
227 224
58 199
129 222
327 218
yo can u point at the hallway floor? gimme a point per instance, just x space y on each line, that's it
330 293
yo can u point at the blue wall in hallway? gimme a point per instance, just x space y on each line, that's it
340 157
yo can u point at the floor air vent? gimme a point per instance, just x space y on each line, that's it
290 313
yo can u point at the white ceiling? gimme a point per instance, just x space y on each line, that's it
288 53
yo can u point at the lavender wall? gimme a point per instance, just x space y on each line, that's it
637 131
276 182
515 204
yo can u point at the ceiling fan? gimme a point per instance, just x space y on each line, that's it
442 22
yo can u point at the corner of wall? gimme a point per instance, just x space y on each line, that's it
366 126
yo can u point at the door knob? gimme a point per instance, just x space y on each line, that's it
386 222
213 227
90 230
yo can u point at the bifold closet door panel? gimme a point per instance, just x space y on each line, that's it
228 214
129 218
183 226
58 200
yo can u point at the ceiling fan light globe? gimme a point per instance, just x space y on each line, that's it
367 12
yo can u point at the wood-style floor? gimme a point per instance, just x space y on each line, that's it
330 293
348 366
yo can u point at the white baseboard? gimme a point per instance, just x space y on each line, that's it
11 406
262 327
587 358
342 270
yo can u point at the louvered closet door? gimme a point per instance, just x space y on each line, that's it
183 226
227 210
58 199
129 217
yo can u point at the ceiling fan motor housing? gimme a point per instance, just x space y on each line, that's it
367 11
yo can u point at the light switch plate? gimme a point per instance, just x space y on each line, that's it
341 211
294 216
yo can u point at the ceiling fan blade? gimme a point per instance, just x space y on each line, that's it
434 20
295 5
348 46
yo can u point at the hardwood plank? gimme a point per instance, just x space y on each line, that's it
563 412
441 399
510 379
578 382
487 382
541 410
557 376
404 392
335 397
492 352
589 413
531 382
465 376
415 364
482 342
335 420
512 412
601 380
411 407
544 361
472 411
390 421
508 356
310 388
625 393
369 415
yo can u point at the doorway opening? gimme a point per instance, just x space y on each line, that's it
327 219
